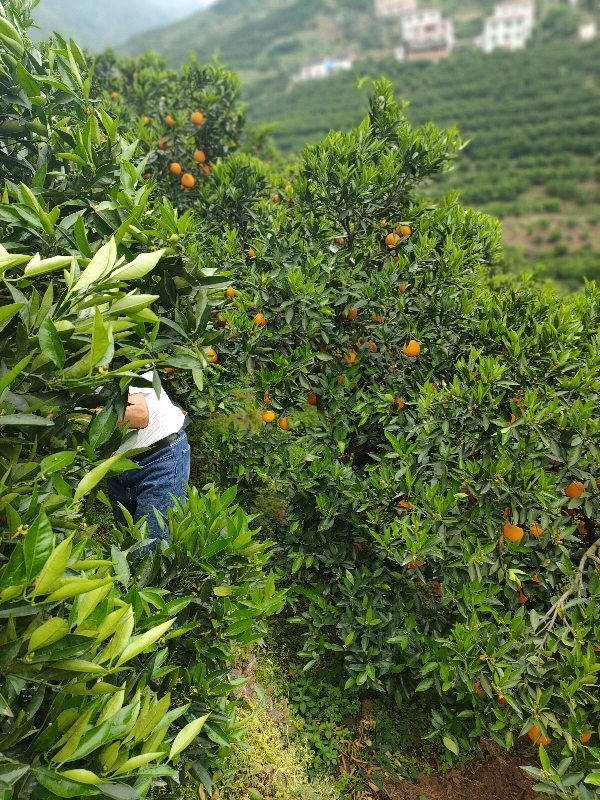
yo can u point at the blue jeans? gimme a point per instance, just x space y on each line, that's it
160 476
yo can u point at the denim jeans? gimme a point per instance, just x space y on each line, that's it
142 490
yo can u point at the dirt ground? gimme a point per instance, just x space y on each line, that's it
498 778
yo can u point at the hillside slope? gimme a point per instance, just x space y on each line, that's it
108 22
273 39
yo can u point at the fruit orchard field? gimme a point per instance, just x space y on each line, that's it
427 437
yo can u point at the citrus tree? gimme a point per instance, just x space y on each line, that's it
434 438
100 696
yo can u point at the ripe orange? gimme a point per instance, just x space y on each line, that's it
284 424
399 402
268 416
200 156
341 380
252 252
187 180
267 398
412 349
206 169
288 188
145 119
176 168
404 230
402 288
197 118
513 532
312 399
598 483
163 143
502 700
372 346
169 370
415 564
259 319
378 318
535 530
392 240
585 737
230 291
211 356
351 314
169 121
276 198
575 489
340 240
522 597
535 734
478 689
535 578
352 357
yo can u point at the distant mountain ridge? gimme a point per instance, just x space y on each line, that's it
107 23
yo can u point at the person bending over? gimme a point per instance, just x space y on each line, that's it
164 468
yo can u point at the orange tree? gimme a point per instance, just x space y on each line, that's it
435 438
99 696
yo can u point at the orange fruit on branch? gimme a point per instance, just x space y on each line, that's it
575 489
378 318
169 121
351 314
402 288
176 168
522 597
404 230
230 291
163 143
412 349
513 532
276 198
536 736
284 424
478 689
585 737
200 156
392 240
259 319
312 399
211 356
415 564
187 180
268 416
352 357
535 530
197 118
251 252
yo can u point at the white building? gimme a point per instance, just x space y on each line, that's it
324 69
587 31
509 27
427 34
393 8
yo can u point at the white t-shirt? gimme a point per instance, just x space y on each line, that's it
165 417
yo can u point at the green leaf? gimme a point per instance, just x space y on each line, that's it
63 787
136 762
139 643
41 267
77 586
14 372
38 545
186 736
53 630
93 478
132 303
100 264
424 685
100 339
593 779
54 567
451 745
57 461
139 267
51 344
82 775
18 420
103 426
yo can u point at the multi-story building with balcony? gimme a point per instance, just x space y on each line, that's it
393 8
509 27
427 34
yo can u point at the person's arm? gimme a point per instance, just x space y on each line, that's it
137 414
